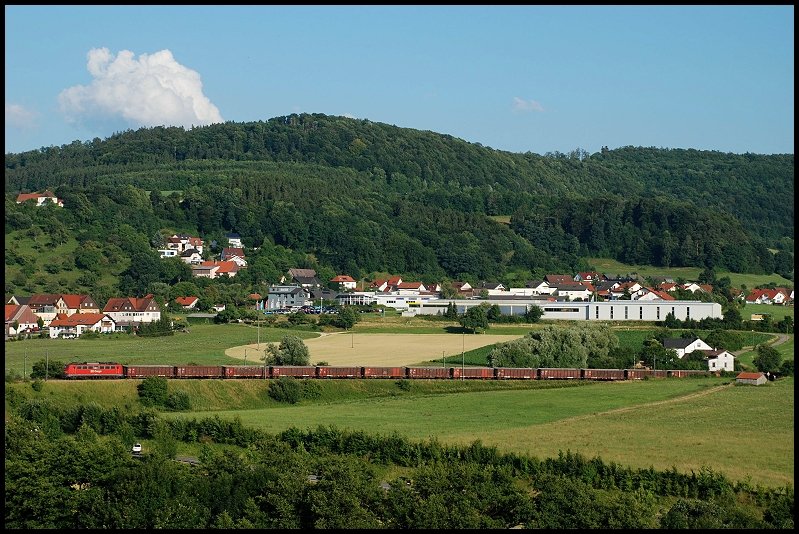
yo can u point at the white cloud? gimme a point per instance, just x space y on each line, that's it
153 90
19 117
526 105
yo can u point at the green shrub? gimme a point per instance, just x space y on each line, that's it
153 391
178 401
285 389
37 385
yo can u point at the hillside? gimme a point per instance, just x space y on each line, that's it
360 197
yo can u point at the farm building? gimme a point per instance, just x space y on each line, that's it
754 379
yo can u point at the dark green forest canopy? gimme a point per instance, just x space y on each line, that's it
362 196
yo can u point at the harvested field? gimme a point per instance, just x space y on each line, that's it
345 349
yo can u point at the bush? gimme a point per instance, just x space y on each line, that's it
153 391
285 389
37 385
178 401
404 384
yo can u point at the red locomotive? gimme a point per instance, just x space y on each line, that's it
94 370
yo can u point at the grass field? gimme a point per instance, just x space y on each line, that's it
777 312
610 266
744 432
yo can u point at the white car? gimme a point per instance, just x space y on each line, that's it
137 447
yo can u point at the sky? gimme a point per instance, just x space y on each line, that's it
515 78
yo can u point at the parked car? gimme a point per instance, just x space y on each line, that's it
136 448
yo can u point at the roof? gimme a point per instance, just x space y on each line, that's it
43 299
223 266
21 313
186 301
254 296
342 278
308 273
73 302
677 342
78 319
715 353
749 376
118 304
558 279
22 197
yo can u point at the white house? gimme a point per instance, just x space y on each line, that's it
77 324
40 198
573 291
127 311
234 240
685 346
719 360
286 297
344 281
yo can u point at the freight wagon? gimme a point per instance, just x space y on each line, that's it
339 372
243 371
516 373
603 374
558 373
305 371
479 373
429 372
384 372
198 371
143 371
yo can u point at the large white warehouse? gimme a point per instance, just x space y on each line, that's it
613 310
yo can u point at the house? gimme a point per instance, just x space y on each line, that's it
168 253
234 240
191 256
80 304
183 242
280 297
76 324
393 282
572 291
23 316
410 288
540 287
552 279
461 287
215 269
767 296
18 299
719 360
754 379
344 281
40 198
589 276
303 277
234 254
128 311
685 346
379 285
188 303
647 293
693 287
39 301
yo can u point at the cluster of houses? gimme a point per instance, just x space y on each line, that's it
189 249
69 316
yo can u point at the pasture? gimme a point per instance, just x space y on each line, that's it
744 432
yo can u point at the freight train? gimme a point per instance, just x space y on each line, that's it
117 370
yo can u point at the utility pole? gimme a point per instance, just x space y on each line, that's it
463 355
46 364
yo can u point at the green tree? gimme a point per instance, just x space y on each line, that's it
533 313
768 359
290 351
347 317
475 318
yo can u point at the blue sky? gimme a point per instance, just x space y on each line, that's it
515 78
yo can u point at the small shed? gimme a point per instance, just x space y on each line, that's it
754 379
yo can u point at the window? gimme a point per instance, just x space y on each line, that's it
641 312
625 313
611 312
657 311
687 312
597 312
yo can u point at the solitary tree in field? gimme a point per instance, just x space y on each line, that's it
768 359
291 351
475 318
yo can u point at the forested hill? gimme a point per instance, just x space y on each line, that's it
365 196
